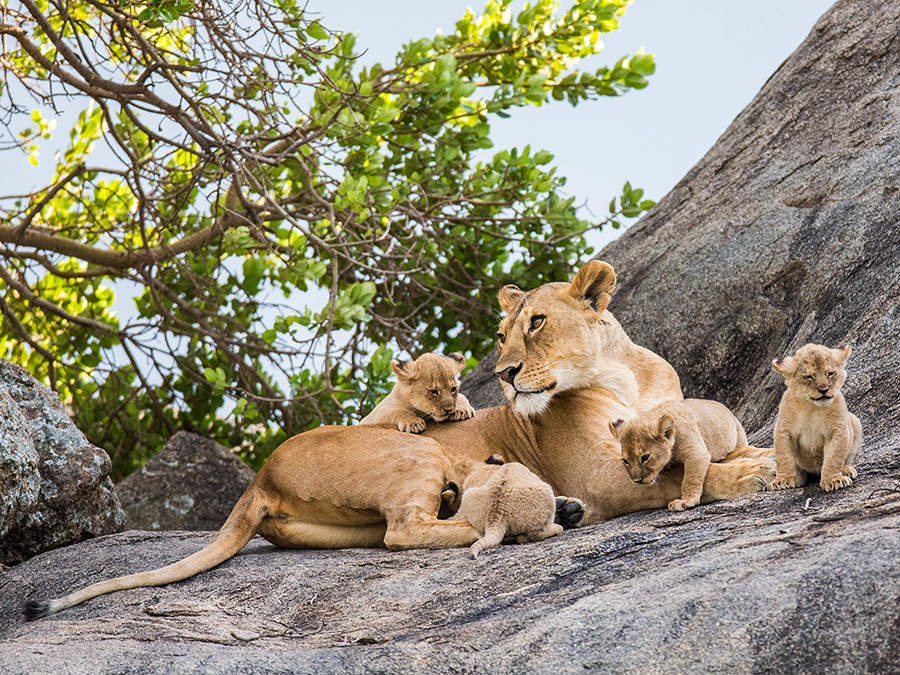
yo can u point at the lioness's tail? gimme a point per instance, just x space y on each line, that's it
234 535
493 536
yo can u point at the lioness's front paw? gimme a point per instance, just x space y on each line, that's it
781 483
682 504
835 483
416 427
463 413
569 512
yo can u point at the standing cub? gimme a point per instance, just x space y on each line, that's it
815 433
501 500
692 432
426 387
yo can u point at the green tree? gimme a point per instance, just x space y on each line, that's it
282 217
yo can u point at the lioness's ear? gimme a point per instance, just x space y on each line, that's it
510 298
785 366
460 360
841 355
404 370
666 427
614 426
594 284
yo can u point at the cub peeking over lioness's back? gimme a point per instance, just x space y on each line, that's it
815 433
692 432
426 387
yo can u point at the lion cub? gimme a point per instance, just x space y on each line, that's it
426 387
692 432
815 433
501 500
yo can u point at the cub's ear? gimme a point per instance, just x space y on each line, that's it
841 355
666 427
614 426
494 459
594 285
404 370
785 366
460 361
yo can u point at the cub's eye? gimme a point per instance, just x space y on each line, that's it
433 392
537 321
454 390
501 338
644 458
831 373
808 377
625 462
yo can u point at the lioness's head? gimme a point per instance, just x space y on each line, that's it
814 372
430 384
548 340
647 443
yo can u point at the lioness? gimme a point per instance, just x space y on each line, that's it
815 433
568 369
501 500
692 433
427 388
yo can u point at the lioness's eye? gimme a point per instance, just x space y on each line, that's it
537 322
433 392
644 458
501 337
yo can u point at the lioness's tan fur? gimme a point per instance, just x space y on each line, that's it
815 433
566 378
503 501
427 388
691 432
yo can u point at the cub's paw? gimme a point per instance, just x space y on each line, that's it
416 427
848 470
835 483
569 512
682 504
463 413
786 483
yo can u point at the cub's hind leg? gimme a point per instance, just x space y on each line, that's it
539 535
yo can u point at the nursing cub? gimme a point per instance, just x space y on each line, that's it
815 433
426 387
501 500
692 432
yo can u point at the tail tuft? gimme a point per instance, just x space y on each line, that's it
35 609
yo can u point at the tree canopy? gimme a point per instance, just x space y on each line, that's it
282 217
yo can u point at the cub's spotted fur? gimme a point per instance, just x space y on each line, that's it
815 433
426 388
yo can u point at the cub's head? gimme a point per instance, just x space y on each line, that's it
548 340
465 474
647 443
814 372
430 384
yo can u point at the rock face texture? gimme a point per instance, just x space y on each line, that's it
54 485
788 231
191 484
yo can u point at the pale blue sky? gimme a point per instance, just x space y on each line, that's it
712 58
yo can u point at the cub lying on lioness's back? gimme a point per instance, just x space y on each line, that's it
426 387
692 432
815 433
501 500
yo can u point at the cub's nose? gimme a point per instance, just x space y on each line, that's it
510 373
823 388
448 408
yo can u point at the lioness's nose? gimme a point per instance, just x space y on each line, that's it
510 373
